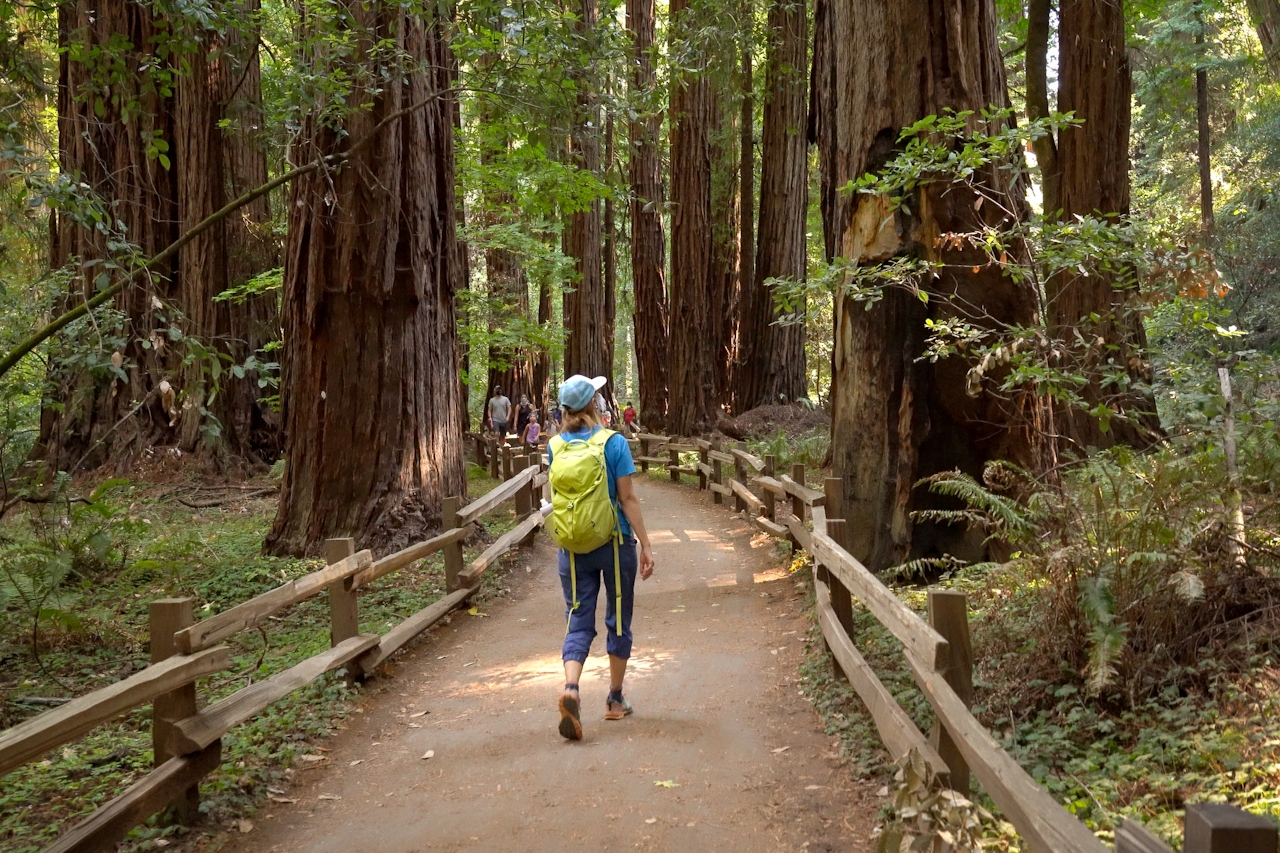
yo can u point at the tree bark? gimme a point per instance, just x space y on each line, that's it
691 375
1046 147
584 303
1094 161
723 304
746 224
1266 21
371 387
773 357
610 259
158 172
881 65
648 243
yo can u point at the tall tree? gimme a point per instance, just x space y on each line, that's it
584 302
159 161
1202 130
691 377
648 243
772 357
510 364
1266 21
723 304
1093 162
370 387
881 65
746 216
610 255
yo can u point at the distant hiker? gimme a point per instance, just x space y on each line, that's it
629 415
593 516
523 410
553 423
499 413
602 409
532 432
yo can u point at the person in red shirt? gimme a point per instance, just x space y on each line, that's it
629 415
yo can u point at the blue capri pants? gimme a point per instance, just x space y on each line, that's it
593 570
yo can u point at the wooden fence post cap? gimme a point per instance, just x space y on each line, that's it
170 602
1219 828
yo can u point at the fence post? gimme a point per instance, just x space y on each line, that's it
797 505
717 473
675 463
702 476
506 462
1220 828
344 618
739 474
453 552
841 600
493 458
770 509
523 498
949 616
168 616
644 454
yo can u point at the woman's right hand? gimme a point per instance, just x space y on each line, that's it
646 561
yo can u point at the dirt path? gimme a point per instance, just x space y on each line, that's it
718 713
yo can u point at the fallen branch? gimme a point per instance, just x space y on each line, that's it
226 499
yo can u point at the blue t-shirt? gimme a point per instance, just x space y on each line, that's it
617 461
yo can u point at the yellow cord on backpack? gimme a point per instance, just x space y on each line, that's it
573 585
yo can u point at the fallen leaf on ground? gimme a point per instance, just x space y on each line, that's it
813 787
328 797
357 761
275 798
310 757
419 714
651 820
781 749
667 783
430 753
245 826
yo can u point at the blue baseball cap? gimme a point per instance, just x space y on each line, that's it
578 391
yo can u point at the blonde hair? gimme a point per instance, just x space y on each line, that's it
581 419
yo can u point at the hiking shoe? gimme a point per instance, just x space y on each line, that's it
616 710
570 721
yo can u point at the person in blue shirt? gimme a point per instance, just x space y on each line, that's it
581 420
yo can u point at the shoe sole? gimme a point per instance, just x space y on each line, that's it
570 724
617 715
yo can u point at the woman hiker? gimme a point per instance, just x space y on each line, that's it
582 513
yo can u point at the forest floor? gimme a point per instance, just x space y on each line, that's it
724 750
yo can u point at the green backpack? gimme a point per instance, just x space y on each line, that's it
583 517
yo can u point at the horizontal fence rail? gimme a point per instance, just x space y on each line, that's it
188 741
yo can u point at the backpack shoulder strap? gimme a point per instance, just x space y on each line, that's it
555 444
601 437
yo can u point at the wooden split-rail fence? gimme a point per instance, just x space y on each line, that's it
186 738
937 649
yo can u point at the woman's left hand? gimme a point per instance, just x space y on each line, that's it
646 561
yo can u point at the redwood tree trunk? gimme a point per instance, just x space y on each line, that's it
371 387
584 304
881 65
746 226
723 305
648 243
1266 21
772 357
691 377
610 260
1094 162
193 167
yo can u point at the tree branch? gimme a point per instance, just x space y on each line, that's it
326 161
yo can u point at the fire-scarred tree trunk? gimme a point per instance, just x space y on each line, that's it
584 304
648 244
1093 162
772 357
157 173
371 385
691 377
881 65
